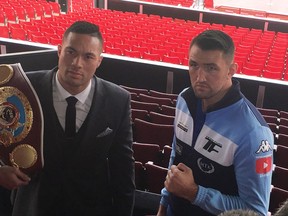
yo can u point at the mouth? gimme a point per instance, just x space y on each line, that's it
201 86
74 73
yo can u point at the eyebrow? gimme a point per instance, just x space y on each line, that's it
88 53
192 61
69 47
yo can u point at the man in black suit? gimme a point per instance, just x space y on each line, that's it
90 172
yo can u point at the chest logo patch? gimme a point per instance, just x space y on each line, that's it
205 166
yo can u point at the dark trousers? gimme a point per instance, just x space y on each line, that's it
5 202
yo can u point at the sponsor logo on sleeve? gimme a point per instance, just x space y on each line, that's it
264 147
264 165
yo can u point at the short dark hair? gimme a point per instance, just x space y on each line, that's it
239 212
84 27
215 40
283 209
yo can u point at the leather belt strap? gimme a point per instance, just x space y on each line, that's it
21 121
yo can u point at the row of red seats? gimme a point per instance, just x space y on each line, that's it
165 39
80 5
13 11
263 54
31 33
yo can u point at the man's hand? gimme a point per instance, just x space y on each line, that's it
12 178
180 182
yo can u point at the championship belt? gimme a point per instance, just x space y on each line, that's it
21 121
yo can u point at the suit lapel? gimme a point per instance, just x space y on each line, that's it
50 116
96 119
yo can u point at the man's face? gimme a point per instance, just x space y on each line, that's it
210 74
79 57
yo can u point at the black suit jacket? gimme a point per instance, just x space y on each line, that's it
92 174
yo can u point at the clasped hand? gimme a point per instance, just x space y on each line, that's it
180 182
12 178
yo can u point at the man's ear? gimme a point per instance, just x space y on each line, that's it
99 61
233 69
59 49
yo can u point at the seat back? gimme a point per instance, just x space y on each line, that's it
155 177
136 90
145 152
282 139
159 118
280 177
280 156
154 107
168 110
158 100
162 94
268 112
140 114
147 132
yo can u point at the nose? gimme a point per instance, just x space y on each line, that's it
200 75
77 61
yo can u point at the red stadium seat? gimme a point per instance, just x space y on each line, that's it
145 106
4 32
10 14
171 59
282 139
146 132
283 114
55 41
39 39
268 112
145 152
163 94
283 129
131 53
30 12
271 119
3 19
251 72
155 176
140 114
168 110
136 90
150 56
272 75
280 156
158 100
159 118
21 13
283 121
18 33
279 177
112 50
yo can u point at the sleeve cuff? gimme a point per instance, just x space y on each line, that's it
164 198
200 197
